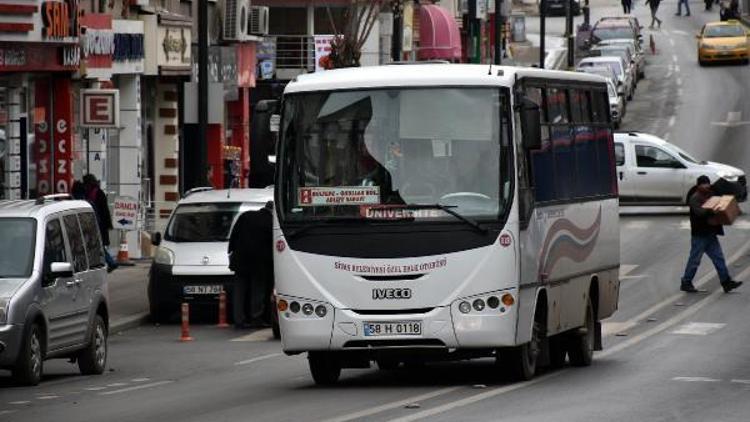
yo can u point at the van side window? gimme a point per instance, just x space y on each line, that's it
648 156
619 155
94 249
54 246
77 248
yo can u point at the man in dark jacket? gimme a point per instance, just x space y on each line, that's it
98 200
704 239
251 259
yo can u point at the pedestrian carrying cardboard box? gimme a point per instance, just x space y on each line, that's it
725 210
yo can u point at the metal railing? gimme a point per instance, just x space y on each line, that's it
295 52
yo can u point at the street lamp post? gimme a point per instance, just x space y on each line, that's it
201 147
499 20
542 31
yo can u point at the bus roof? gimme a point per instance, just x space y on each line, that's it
425 75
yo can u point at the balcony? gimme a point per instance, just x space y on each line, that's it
295 55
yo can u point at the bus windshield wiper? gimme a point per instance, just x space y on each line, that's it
449 210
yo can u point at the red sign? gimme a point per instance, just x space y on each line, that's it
505 240
280 246
100 108
54 138
246 65
42 135
31 57
60 19
98 41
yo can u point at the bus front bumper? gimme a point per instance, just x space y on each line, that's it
444 327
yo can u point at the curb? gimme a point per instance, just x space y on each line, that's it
128 322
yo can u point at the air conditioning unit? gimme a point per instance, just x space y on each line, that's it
236 14
258 22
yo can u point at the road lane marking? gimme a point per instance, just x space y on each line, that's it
676 68
695 379
137 387
20 402
393 405
698 328
674 58
50 397
260 335
95 388
140 379
258 359
475 398
117 384
671 42
7 412
734 119
672 121
736 381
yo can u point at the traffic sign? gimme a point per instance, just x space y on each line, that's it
125 213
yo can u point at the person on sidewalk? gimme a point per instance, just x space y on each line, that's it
98 200
654 5
251 259
679 8
704 239
626 6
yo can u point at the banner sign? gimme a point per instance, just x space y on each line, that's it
342 195
100 108
125 213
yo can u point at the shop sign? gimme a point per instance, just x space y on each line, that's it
71 56
175 47
28 57
266 57
54 138
322 51
12 56
100 108
246 65
60 20
98 42
128 47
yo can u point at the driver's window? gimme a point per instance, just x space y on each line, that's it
54 246
648 156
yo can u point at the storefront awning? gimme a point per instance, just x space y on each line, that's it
439 37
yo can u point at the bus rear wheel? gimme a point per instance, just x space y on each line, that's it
581 342
324 367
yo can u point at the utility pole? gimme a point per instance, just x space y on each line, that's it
499 21
397 44
201 147
542 30
569 33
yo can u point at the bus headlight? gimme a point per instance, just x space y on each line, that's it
321 311
307 309
464 307
479 305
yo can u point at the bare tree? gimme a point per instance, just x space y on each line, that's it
359 19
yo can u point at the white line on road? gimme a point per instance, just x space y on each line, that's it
140 379
137 387
672 121
676 68
258 359
20 402
670 70
741 381
674 58
698 328
475 398
695 379
671 42
679 81
7 412
95 388
117 384
393 405
50 397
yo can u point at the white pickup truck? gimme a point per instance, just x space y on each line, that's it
650 170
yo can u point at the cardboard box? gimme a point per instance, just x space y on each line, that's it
725 207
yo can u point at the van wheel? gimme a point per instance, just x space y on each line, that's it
93 359
557 351
30 364
519 363
581 341
324 367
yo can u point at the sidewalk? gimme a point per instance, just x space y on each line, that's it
128 298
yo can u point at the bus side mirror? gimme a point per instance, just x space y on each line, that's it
530 126
156 239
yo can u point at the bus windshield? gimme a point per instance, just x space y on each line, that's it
395 154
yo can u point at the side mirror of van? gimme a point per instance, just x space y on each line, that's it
530 124
61 270
156 238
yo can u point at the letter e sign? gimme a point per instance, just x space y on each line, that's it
100 108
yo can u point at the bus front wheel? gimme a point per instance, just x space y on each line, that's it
324 367
581 341
519 363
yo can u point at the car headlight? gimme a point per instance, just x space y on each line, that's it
164 256
4 311
730 177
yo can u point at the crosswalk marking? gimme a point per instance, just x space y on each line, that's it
698 328
695 379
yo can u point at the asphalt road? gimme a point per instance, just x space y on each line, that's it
668 356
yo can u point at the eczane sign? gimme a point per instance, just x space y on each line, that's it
100 108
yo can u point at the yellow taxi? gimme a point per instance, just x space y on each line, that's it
723 41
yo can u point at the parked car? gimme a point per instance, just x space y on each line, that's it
614 28
191 262
617 105
625 83
621 51
722 42
53 287
632 21
638 54
557 7
650 170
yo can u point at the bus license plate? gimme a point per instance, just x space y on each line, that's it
400 328
202 290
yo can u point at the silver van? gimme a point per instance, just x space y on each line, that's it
53 289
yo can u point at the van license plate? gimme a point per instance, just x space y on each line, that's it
400 328
202 290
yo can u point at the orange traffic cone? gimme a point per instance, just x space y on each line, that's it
185 336
222 310
122 254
